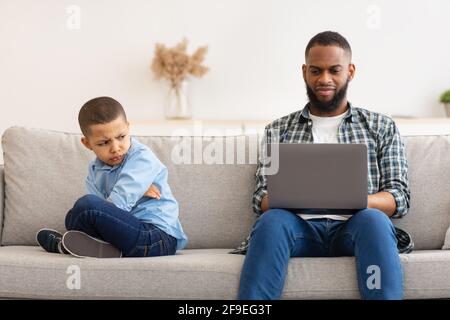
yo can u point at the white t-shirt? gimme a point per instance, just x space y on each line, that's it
325 130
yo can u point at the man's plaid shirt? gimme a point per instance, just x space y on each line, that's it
387 165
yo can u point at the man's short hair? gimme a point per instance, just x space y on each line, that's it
99 111
328 38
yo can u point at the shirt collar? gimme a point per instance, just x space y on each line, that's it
100 165
351 116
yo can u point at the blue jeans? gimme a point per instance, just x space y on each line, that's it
278 234
103 220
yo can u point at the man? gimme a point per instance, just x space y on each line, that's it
369 235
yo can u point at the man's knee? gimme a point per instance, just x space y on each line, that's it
373 220
373 216
275 220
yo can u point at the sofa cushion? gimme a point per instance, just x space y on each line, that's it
2 198
43 176
429 176
29 272
45 172
446 245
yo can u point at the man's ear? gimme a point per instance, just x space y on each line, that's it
304 71
351 71
85 142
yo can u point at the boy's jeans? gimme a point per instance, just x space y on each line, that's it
279 234
103 220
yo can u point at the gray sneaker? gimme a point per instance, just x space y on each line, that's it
82 245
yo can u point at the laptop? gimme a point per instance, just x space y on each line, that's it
319 176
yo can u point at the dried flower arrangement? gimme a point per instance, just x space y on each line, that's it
175 64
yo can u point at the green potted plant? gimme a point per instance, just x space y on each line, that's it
445 99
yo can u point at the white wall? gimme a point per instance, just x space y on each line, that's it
47 71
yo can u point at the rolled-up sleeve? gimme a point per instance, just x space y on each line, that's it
394 169
261 179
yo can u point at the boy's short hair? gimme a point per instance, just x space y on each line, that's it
98 111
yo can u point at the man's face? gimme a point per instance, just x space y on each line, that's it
110 141
327 72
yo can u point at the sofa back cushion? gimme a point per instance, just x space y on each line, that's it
45 172
429 178
2 197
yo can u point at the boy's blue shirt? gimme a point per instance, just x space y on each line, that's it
125 185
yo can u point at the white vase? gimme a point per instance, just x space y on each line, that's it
178 104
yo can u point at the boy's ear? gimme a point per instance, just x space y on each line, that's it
86 143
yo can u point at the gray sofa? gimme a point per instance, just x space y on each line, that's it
43 175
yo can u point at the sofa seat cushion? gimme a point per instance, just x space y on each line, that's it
29 272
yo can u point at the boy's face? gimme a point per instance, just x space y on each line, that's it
110 141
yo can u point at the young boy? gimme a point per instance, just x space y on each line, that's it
129 210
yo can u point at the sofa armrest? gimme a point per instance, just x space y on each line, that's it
2 199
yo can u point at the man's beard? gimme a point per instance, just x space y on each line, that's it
327 106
